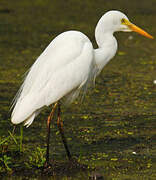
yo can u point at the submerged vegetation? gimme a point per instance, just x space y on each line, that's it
112 131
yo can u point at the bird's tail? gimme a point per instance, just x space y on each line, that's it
29 120
24 111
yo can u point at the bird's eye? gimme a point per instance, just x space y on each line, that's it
123 21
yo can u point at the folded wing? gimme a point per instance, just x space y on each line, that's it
64 66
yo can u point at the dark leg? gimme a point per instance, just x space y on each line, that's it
60 126
50 117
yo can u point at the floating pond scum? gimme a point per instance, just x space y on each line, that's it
111 133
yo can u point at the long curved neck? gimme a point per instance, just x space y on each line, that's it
107 47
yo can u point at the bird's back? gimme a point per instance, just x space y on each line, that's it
64 66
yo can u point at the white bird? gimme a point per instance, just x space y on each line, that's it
67 65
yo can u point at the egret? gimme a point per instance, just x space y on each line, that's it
65 67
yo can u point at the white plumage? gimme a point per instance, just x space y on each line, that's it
51 77
66 65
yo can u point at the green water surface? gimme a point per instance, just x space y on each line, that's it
113 130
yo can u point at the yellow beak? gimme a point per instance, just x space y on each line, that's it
139 30
134 28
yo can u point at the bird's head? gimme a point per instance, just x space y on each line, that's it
118 21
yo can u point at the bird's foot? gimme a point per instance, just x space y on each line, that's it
74 163
47 165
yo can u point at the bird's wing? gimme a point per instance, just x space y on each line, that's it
64 66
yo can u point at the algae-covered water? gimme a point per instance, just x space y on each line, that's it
112 131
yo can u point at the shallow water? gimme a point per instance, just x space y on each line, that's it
113 129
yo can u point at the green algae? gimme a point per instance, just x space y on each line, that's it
113 130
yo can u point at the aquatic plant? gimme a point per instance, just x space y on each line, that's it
37 158
6 161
